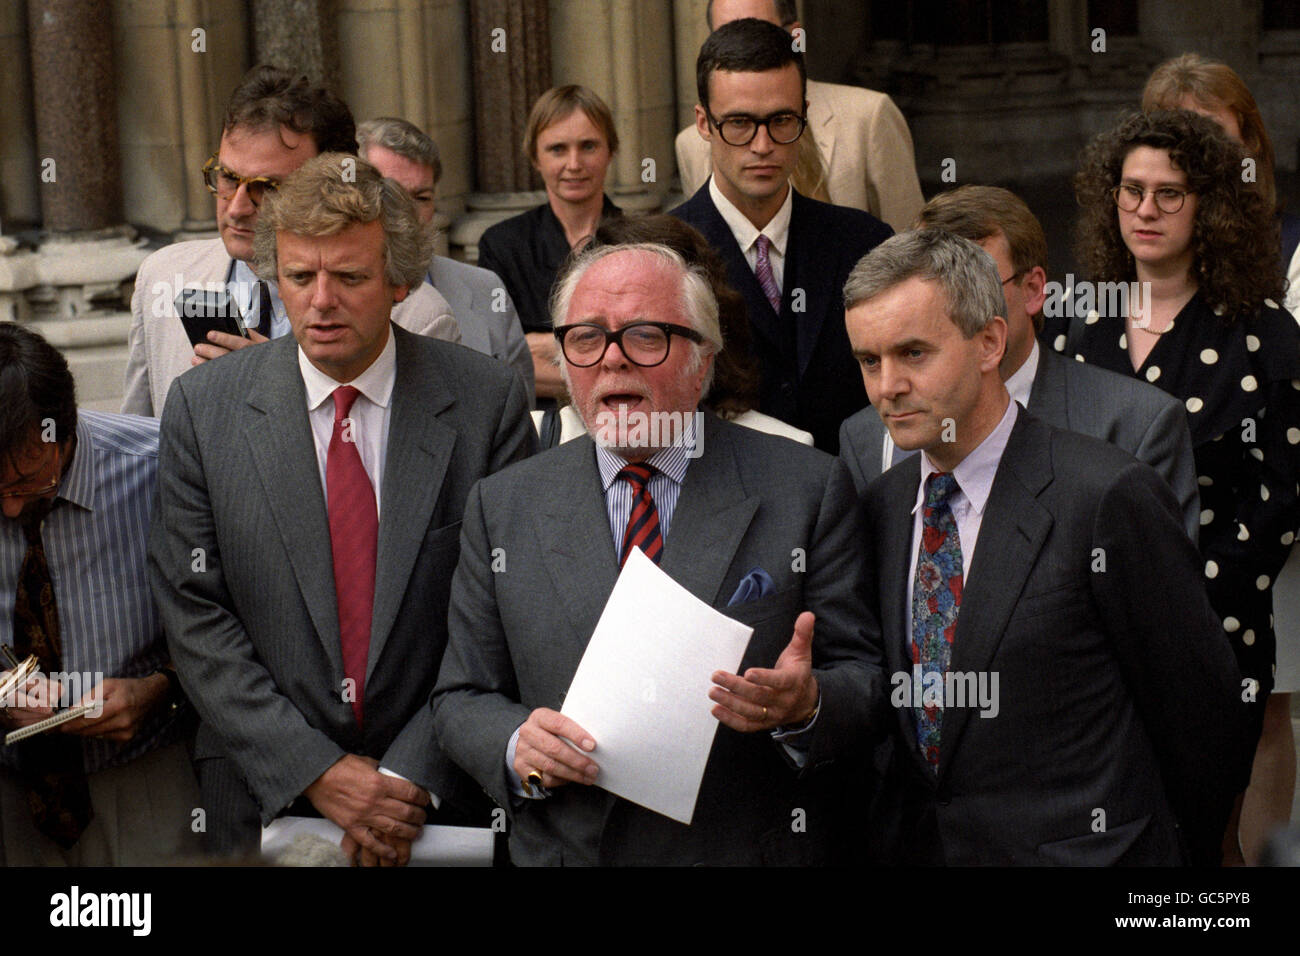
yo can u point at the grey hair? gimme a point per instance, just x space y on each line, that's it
401 137
966 273
699 307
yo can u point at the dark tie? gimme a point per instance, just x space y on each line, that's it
643 520
936 599
264 311
763 270
354 539
57 792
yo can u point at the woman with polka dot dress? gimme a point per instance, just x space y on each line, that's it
1165 210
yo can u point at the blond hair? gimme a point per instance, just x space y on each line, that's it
332 191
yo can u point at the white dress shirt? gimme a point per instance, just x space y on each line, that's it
777 230
974 477
1021 382
370 413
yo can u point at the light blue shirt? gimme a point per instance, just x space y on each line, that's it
95 542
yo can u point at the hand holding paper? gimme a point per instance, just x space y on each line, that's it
642 683
543 746
763 698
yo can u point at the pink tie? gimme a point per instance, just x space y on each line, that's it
763 270
354 538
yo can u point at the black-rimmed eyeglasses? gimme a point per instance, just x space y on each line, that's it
782 128
644 343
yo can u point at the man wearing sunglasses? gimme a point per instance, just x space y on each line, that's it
274 122
754 524
788 255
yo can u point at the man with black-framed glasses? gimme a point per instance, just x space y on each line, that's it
758 526
274 122
788 255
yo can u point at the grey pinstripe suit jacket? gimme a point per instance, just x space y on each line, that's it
252 619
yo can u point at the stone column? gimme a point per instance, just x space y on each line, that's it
621 49
297 35
510 57
76 114
80 277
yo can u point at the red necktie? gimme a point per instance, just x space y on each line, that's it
643 520
354 538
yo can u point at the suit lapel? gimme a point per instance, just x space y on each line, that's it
711 518
821 120
1013 531
576 545
894 551
418 453
1047 396
801 273
281 445
702 214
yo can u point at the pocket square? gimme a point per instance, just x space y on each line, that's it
754 585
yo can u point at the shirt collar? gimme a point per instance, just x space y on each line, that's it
375 383
778 230
242 275
78 482
975 474
1021 382
672 461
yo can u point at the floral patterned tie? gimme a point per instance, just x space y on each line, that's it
936 599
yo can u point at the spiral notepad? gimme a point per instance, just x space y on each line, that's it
31 730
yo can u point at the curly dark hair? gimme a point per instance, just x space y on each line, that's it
1235 257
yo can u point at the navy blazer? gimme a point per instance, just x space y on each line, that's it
809 377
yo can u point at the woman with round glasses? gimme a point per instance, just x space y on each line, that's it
1213 89
1164 206
570 140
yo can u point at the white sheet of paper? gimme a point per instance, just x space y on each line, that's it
642 688
436 845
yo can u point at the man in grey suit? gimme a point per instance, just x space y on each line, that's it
1040 577
309 507
483 308
758 525
1141 419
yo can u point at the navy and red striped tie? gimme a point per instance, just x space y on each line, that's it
643 520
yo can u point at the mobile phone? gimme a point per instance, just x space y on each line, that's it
202 311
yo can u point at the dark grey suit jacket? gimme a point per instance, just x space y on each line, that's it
242 573
1117 689
1147 423
519 632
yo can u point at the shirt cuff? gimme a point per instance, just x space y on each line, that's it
433 797
796 743
512 779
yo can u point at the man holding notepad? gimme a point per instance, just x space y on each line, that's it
113 786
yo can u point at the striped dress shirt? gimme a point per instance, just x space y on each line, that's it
95 542
665 486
